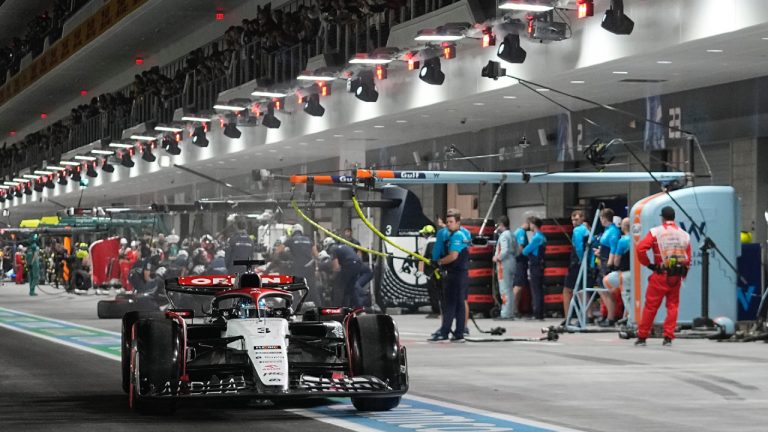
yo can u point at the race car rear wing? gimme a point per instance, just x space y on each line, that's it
203 285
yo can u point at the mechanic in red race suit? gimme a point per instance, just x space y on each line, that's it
671 258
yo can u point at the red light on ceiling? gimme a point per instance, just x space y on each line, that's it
489 39
325 89
43 116
449 52
585 8
381 72
530 26
12 133
219 15
278 103
177 136
139 61
83 92
413 64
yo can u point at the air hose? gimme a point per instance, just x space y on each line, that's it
329 233
386 240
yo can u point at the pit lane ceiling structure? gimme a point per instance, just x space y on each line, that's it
686 44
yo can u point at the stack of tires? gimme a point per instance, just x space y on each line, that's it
481 297
556 260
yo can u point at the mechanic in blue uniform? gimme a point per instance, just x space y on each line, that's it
608 240
303 253
439 251
535 253
520 279
618 281
349 268
579 240
240 247
454 260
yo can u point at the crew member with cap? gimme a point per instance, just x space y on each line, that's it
240 247
505 270
454 258
303 251
348 268
671 248
535 253
520 279
619 279
579 239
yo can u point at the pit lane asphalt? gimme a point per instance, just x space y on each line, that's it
584 381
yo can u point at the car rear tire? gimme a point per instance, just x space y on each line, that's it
156 362
125 344
374 347
109 309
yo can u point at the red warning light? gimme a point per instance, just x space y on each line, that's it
219 15
278 104
381 72
413 64
489 39
83 92
177 137
43 116
139 61
325 89
12 133
585 8
449 52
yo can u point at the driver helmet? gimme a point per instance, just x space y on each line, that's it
328 241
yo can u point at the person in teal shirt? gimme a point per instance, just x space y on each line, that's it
535 253
33 261
520 278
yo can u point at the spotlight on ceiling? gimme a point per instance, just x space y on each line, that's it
431 73
63 178
125 158
198 136
230 127
38 186
170 145
76 174
107 167
90 170
493 70
528 5
615 21
312 105
19 192
146 153
49 183
365 88
510 49
27 190
269 120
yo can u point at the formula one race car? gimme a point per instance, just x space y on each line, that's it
238 336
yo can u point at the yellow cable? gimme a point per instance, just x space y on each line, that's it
388 241
332 235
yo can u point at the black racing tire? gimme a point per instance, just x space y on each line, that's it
157 342
125 342
110 309
374 347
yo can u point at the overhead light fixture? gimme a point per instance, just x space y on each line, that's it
431 73
365 87
121 145
4 187
362 58
585 8
106 166
146 153
615 21
11 183
38 186
439 35
312 105
21 180
168 129
31 177
40 172
268 94
75 175
102 152
18 192
170 145
54 168
125 158
63 178
27 190
528 5
69 163
143 138
198 136
85 158
196 119
510 49
90 171
230 127
493 70
49 182
307 76
269 120
224 107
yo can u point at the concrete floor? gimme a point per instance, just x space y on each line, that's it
592 381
